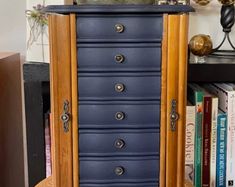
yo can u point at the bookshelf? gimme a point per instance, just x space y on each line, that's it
37 103
214 73
202 73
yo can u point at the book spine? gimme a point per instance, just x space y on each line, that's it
213 142
231 140
198 139
189 144
207 102
221 151
220 93
48 145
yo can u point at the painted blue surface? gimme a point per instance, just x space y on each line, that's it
102 143
118 9
98 72
144 184
102 27
101 115
103 171
102 86
138 57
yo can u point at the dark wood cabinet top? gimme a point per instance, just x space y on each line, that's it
66 9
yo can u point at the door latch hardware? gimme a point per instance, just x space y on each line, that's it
65 117
174 115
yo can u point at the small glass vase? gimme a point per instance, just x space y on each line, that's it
199 59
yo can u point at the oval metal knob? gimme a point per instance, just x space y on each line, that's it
119 87
119 170
65 117
119 143
119 28
174 117
119 58
119 116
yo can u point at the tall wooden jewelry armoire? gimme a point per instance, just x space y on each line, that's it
118 92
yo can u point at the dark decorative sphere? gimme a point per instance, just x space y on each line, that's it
227 17
201 45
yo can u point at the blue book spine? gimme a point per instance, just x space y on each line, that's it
221 150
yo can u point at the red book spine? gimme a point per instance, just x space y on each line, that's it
207 103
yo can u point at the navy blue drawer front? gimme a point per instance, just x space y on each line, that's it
119 28
119 87
119 171
145 184
119 143
100 115
119 57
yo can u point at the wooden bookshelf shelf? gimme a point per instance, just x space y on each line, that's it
211 73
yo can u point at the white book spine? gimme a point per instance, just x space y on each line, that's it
189 144
230 171
220 93
227 104
213 142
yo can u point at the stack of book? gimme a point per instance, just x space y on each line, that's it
210 135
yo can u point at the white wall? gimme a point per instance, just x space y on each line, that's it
13 26
206 20
38 52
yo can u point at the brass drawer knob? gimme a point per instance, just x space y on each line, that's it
119 143
119 58
119 28
119 170
119 116
119 87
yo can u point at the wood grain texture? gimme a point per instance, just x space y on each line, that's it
182 97
46 183
172 88
60 57
176 89
74 100
7 55
13 164
163 103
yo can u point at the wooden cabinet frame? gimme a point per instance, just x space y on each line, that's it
63 49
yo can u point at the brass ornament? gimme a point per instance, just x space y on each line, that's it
201 45
202 2
226 2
